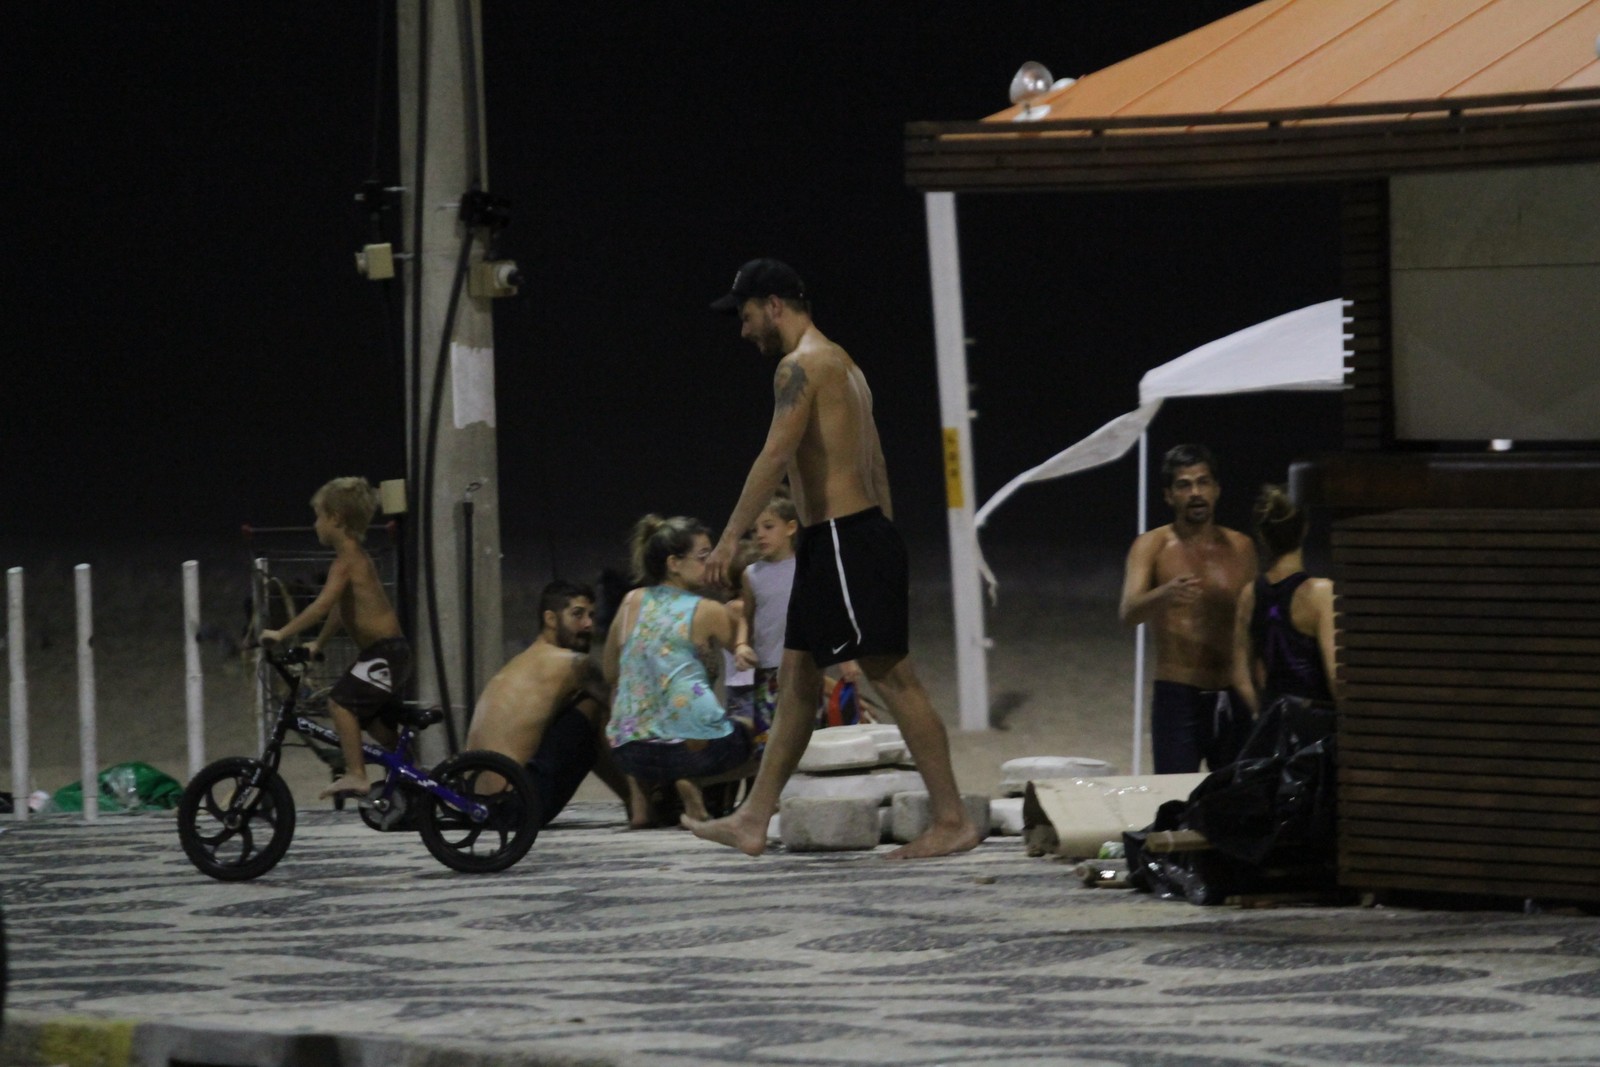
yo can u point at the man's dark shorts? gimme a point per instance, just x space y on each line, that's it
373 683
565 757
852 590
1189 724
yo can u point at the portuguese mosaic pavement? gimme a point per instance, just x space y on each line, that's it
609 946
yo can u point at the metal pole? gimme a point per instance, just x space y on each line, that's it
194 680
1139 633
469 680
21 787
88 756
950 342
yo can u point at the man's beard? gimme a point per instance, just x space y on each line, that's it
572 640
769 341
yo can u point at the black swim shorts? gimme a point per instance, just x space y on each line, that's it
375 679
565 757
852 590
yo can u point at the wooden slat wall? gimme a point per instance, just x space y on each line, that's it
1469 734
1364 278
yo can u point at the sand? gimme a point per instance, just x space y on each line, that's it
1060 668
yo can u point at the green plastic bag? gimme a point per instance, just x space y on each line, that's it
124 787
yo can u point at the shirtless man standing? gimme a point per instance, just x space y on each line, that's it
547 708
850 598
1184 578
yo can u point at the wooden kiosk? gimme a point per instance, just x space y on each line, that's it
1465 506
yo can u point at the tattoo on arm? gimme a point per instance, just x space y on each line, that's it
790 386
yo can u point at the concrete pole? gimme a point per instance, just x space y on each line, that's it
453 156
950 342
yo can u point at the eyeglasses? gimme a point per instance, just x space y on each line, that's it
699 557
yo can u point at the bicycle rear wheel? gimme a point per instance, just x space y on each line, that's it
229 841
500 840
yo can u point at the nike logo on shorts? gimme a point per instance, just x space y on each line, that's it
837 650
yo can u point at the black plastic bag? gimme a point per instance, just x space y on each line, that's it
1270 817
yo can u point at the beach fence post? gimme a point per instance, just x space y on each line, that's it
88 756
16 645
259 587
194 678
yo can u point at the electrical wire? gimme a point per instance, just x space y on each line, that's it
435 410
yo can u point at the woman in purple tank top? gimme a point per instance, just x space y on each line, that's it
1283 623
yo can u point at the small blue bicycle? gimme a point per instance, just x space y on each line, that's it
476 811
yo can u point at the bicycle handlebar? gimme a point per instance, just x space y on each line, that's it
286 655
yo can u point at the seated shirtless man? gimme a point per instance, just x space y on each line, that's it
547 708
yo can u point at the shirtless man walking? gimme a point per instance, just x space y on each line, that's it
850 598
547 707
1184 579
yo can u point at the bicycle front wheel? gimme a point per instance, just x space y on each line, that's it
498 783
227 834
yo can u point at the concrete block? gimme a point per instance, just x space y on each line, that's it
910 814
829 824
1005 816
878 785
841 748
1015 774
830 751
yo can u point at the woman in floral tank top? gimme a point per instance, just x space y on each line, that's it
662 649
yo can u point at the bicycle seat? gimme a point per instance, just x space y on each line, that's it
419 718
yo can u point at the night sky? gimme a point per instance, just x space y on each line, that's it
191 347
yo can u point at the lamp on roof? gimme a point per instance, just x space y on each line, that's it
1032 81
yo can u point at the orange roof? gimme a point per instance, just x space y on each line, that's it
1316 53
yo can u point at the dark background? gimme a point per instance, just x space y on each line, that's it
189 346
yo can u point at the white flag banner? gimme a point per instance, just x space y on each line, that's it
1300 350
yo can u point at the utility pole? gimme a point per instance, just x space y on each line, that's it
452 482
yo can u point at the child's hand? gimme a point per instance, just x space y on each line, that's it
745 657
270 638
850 671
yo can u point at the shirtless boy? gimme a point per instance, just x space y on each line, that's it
547 708
368 693
850 598
1184 578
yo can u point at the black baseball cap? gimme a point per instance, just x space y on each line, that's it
759 278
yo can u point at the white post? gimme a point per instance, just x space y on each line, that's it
88 757
21 775
950 342
193 679
261 609
1138 634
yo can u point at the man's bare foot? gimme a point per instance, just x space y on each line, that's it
346 783
938 841
744 834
